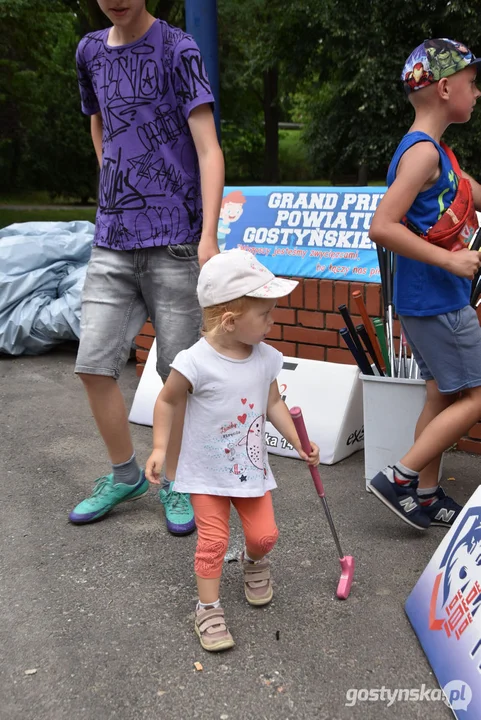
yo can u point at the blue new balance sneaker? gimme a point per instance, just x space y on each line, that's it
179 513
444 512
401 499
107 495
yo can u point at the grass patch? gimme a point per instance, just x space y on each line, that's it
36 197
293 158
328 183
307 183
8 217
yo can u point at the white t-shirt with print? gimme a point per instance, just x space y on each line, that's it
223 445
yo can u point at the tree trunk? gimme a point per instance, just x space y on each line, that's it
362 174
94 16
15 163
161 8
271 126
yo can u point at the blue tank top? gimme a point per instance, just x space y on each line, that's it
421 289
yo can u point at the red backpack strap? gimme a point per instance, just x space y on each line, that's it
452 158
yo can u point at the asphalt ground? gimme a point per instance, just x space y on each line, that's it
102 615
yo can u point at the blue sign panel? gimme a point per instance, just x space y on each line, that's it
304 231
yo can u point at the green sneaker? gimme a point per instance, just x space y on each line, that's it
106 496
179 513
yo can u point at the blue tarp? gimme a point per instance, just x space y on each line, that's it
42 273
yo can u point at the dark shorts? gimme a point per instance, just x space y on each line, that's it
447 348
122 289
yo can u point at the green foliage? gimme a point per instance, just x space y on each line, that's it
243 147
256 36
8 217
293 157
354 103
336 65
60 155
44 142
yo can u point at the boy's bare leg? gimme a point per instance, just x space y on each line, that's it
435 404
443 420
126 482
110 414
444 430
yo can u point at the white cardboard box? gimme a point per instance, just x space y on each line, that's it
330 397
391 410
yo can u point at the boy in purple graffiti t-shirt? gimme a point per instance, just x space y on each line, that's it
145 87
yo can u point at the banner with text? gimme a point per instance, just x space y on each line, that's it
304 232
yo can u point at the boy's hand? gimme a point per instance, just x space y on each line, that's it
208 247
313 457
153 466
464 263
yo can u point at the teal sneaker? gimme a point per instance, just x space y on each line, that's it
179 513
107 495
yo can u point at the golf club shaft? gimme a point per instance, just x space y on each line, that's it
369 327
392 353
475 244
298 420
405 356
400 354
388 310
361 360
346 316
379 328
381 258
363 334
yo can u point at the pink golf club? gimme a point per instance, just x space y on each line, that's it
347 561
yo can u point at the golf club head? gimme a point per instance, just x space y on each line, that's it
347 576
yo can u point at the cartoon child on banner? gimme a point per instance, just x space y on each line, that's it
231 209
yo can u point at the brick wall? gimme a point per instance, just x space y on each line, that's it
307 323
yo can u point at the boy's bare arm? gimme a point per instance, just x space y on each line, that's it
476 190
96 132
211 165
418 168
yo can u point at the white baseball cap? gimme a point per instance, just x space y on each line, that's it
235 273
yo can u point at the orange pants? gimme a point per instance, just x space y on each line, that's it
212 520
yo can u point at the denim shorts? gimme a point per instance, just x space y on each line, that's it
447 348
124 287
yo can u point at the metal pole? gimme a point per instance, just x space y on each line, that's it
201 23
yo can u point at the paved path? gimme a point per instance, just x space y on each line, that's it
104 613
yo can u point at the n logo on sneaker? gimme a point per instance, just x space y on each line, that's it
445 515
408 504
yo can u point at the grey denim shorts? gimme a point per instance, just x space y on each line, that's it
124 287
447 348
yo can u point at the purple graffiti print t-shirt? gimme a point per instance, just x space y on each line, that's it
149 191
